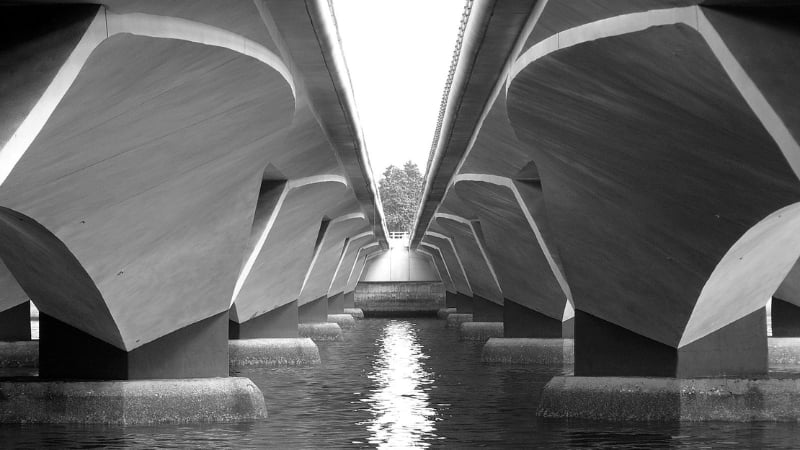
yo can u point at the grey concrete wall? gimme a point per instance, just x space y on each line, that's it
389 298
400 264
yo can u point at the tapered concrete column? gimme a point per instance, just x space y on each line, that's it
451 299
199 350
336 304
605 349
350 299
463 303
522 322
314 322
484 310
281 322
270 340
785 318
315 311
15 323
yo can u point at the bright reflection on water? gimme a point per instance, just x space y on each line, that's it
400 404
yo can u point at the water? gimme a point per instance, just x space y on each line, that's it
401 384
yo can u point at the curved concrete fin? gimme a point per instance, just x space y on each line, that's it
747 276
53 278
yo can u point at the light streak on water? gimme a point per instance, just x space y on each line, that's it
402 416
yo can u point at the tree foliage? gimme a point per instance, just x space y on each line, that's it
400 191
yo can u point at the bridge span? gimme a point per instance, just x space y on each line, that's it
172 173
184 181
625 173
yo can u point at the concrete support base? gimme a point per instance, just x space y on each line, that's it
784 353
22 354
480 331
345 321
397 307
255 353
671 399
357 313
455 320
140 402
320 332
545 352
444 312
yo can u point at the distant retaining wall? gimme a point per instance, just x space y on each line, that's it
414 298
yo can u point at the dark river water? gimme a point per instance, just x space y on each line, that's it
405 384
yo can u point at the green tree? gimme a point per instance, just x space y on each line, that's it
400 191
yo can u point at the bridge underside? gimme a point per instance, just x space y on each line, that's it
631 167
172 174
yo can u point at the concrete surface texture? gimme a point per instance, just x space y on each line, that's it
671 399
444 312
275 352
357 313
633 164
162 164
401 264
320 331
455 320
144 402
480 331
19 354
546 352
345 321
400 298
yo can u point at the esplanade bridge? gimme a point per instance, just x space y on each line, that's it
612 186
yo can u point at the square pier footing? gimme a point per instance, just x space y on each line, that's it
136 402
671 399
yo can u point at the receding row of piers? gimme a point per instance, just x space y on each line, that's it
188 366
644 386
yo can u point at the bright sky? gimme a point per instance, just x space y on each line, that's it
398 53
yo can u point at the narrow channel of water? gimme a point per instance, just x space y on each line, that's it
405 383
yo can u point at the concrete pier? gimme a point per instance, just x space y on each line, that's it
254 353
140 402
357 313
671 399
345 321
480 331
391 299
281 322
320 332
444 312
546 352
336 304
484 310
784 353
22 354
455 320
15 322
785 318
524 322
